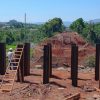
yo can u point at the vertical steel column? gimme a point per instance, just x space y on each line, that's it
50 59
2 58
27 59
46 65
74 64
97 62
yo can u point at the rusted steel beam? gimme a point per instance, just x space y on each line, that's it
74 64
46 69
97 62
26 59
2 58
50 59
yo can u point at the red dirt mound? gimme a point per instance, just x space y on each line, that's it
61 48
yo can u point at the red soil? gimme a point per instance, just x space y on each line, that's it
59 88
61 48
60 85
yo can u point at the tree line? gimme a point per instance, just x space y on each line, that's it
90 31
33 33
17 32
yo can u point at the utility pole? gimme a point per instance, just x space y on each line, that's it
25 20
25 27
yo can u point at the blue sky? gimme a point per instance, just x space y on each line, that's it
43 10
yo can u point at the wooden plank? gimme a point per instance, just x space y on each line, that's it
97 89
14 62
7 84
8 79
5 90
11 71
17 54
20 73
13 66
6 87
74 97
18 51
9 76
15 58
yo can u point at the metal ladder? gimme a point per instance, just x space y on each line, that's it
11 71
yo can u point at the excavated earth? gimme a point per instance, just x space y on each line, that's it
61 49
60 85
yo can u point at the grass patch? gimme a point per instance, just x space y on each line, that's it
90 61
10 46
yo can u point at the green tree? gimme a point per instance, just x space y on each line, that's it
78 25
15 24
92 36
54 25
9 38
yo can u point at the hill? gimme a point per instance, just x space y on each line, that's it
17 24
95 21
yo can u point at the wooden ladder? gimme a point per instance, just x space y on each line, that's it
11 71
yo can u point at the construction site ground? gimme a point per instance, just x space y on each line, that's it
59 87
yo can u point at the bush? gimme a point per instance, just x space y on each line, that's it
90 61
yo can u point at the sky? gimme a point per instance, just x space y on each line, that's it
44 10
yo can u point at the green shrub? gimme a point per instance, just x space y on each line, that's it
90 61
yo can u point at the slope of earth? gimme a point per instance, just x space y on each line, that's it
61 49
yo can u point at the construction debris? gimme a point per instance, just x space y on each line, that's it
89 89
74 97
